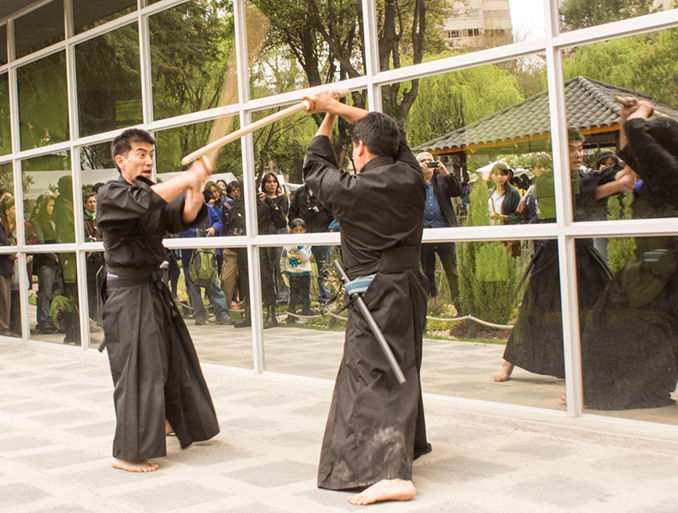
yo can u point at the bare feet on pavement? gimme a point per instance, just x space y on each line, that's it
134 465
385 490
168 429
505 373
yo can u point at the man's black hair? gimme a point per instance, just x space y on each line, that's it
122 144
97 186
379 133
88 196
574 134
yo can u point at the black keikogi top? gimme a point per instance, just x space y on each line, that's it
134 220
380 209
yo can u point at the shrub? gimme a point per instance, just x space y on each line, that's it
487 272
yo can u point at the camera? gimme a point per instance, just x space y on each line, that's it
433 164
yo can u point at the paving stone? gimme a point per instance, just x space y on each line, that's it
658 506
64 417
42 381
250 423
460 433
94 430
10 398
561 491
297 439
6 428
542 448
102 397
453 506
213 452
457 469
255 507
15 494
31 406
74 388
106 475
20 443
66 508
56 459
646 466
277 473
266 399
172 496
318 410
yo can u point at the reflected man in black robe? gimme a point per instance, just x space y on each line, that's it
154 365
375 428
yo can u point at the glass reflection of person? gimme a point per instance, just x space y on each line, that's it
95 259
46 265
272 208
536 341
630 345
503 198
64 222
441 186
10 227
6 273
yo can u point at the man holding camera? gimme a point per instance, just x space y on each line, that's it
441 186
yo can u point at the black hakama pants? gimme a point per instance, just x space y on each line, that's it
536 342
155 370
630 345
375 427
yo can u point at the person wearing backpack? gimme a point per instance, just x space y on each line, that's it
200 271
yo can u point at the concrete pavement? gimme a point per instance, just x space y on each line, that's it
56 429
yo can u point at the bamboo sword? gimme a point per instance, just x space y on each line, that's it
306 105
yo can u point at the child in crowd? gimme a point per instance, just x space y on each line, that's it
296 265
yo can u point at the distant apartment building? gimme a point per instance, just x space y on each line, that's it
472 22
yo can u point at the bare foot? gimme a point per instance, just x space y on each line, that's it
134 465
168 429
385 490
505 373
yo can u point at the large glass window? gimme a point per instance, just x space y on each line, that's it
109 93
605 152
90 13
39 28
5 127
293 45
3 44
193 58
577 14
416 32
43 102
628 344
50 219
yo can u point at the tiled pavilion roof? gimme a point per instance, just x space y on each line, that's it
526 125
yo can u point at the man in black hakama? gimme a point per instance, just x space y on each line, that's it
154 365
375 428
630 347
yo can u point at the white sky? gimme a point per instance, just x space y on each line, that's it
527 17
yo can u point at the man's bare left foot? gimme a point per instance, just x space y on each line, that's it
168 429
134 465
505 372
385 490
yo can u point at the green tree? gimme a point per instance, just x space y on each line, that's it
647 64
453 100
576 14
